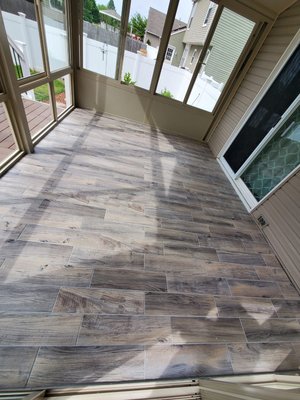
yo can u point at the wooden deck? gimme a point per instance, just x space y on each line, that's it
38 115
126 255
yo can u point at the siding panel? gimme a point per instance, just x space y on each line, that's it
279 38
282 212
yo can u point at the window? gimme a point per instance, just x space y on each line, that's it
55 23
23 37
226 46
208 14
63 93
170 53
192 14
57 5
193 56
140 56
174 80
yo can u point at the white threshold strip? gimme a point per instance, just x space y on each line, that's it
247 387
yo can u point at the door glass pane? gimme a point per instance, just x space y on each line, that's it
23 36
184 48
63 97
38 109
101 33
278 158
55 22
226 46
7 141
283 91
146 23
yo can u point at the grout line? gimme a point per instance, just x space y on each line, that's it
34 361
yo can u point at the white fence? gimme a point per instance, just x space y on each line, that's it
101 58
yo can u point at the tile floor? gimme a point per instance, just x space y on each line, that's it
126 255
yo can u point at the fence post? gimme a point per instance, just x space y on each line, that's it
27 52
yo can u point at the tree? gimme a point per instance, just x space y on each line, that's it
138 25
111 5
90 11
105 18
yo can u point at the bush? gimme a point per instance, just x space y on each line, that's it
167 93
127 79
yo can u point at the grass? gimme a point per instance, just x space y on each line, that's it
41 93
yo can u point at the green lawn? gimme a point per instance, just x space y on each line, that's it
42 92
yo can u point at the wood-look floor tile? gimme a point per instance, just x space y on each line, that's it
179 304
235 307
241 258
206 330
56 366
272 330
100 301
46 251
254 288
203 253
15 366
129 279
108 330
288 290
112 259
228 270
287 308
194 283
262 357
38 329
174 263
186 361
20 297
38 272
271 274
271 260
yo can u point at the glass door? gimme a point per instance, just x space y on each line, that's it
267 149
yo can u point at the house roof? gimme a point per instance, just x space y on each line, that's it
111 13
156 20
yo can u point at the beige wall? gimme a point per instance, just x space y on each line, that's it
281 211
106 95
276 43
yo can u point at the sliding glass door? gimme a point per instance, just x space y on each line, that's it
266 151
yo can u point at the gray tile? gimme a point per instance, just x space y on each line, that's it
108 330
38 329
129 279
245 307
186 361
272 330
262 357
193 283
16 366
100 301
254 288
179 304
206 330
57 366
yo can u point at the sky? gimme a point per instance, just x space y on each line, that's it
142 7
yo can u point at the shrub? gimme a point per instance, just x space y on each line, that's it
127 79
167 93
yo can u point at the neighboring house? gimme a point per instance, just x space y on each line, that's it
155 26
176 47
199 23
198 26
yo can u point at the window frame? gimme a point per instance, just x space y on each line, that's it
208 13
